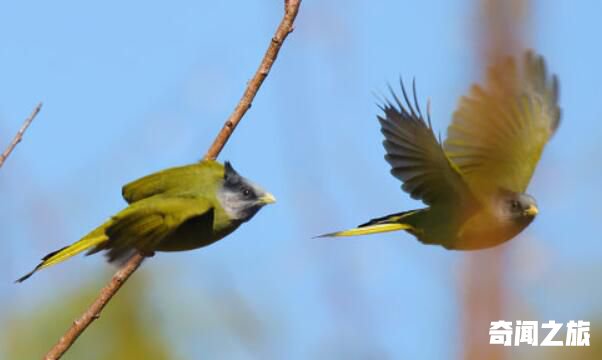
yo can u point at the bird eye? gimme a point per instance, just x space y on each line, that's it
514 204
246 192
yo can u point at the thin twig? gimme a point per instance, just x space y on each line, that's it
285 28
93 312
19 135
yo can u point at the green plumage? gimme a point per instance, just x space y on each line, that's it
172 210
474 182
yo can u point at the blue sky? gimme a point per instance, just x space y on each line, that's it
133 87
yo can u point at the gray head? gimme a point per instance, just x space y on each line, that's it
520 208
240 198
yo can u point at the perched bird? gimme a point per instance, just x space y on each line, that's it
177 209
474 183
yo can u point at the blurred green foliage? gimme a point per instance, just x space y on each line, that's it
125 330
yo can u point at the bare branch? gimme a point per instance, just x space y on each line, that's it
93 312
19 135
285 28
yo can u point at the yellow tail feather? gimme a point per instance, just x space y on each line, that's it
369 229
93 239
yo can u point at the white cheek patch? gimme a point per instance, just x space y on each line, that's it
230 202
236 204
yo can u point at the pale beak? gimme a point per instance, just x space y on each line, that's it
267 198
531 210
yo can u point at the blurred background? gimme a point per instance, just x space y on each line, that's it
134 87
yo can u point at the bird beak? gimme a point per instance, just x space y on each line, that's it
531 210
267 198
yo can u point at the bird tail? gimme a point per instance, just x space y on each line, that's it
393 222
93 239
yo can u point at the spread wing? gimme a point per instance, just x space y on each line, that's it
498 132
415 155
145 223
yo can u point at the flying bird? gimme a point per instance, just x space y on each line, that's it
475 182
177 209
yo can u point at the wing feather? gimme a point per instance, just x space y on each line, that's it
188 178
499 131
144 224
415 155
